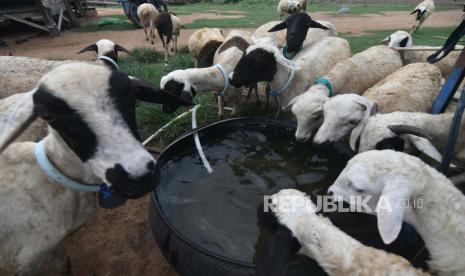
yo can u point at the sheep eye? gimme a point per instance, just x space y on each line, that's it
47 117
353 122
359 191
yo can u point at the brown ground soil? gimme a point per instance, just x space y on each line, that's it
65 46
119 242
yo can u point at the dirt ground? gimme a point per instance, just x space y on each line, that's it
119 242
66 46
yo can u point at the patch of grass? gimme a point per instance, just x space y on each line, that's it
148 64
258 12
108 23
426 36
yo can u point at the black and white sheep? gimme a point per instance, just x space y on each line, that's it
422 11
187 83
93 139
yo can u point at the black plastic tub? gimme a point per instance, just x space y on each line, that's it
195 216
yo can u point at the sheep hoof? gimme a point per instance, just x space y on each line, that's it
152 42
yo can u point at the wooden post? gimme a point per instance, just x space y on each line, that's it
48 19
72 17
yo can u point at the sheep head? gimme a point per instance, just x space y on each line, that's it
258 64
380 134
91 112
178 84
297 26
398 39
384 180
105 47
278 217
308 110
344 114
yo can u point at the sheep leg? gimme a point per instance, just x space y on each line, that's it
175 44
267 100
220 108
152 33
146 36
278 102
166 53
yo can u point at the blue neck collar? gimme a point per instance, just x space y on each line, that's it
109 60
276 93
59 177
225 79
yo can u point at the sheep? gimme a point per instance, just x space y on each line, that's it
403 39
186 83
412 88
203 44
353 75
92 139
411 132
400 187
264 62
169 26
313 34
423 11
287 7
147 14
299 229
24 73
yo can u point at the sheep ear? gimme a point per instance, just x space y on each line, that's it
121 48
291 103
425 146
279 27
386 40
369 109
274 258
404 42
92 47
17 113
145 91
390 210
315 24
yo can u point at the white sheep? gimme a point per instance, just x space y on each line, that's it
412 88
147 14
93 139
403 39
353 75
168 25
287 7
422 11
411 132
203 44
186 83
399 187
300 228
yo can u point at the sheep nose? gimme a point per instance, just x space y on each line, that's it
130 186
151 166
301 139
